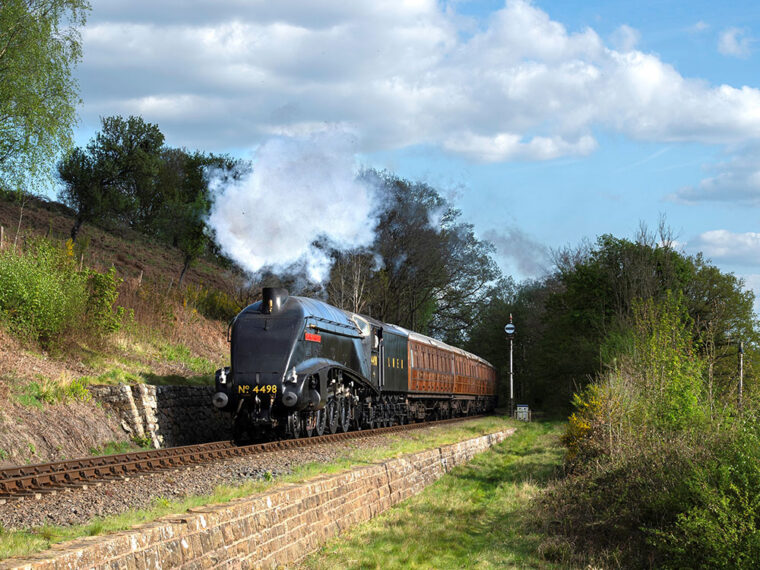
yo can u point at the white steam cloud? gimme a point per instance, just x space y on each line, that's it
302 189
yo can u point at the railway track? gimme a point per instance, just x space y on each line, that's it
35 480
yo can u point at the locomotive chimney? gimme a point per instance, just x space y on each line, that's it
274 299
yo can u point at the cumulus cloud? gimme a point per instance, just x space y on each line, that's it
734 42
735 180
728 247
517 250
520 86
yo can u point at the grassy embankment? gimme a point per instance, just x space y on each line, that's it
107 307
103 310
477 516
535 467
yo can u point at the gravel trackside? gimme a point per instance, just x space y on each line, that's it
79 506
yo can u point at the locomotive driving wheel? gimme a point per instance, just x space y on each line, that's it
344 406
332 413
368 417
357 419
309 421
294 425
320 421
241 431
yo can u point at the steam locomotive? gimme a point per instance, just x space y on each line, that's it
301 367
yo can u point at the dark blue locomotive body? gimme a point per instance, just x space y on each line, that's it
300 366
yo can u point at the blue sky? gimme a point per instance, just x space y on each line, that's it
546 122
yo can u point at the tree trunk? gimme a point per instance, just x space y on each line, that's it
185 267
75 230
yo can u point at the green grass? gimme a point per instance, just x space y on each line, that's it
26 542
46 391
112 377
478 516
182 354
177 380
117 447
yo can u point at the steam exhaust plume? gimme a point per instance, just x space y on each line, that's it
301 189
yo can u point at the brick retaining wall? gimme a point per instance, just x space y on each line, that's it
267 530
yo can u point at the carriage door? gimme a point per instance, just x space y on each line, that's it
376 358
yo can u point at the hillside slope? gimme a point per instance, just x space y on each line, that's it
165 338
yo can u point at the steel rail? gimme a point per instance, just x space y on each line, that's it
34 480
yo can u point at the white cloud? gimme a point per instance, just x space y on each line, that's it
221 75
699 27
735 180
625 38
734 42
727 247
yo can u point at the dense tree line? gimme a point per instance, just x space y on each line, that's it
575 322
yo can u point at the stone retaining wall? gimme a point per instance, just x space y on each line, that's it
167 415
267 530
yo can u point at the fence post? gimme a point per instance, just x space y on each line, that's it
2 234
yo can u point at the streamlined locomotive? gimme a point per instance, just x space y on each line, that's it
302 367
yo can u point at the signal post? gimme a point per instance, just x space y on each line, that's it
510 330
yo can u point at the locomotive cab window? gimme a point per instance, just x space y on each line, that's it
363 326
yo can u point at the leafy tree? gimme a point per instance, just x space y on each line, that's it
183 199
425 271
83 190
127 155
115 177
587 307
39 47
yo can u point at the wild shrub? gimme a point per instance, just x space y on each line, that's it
585 434
103 291
609 508
718 522
41 292
635 437
669 375
211 303
45 298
